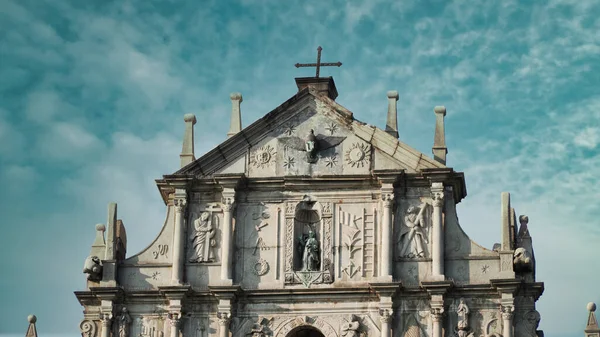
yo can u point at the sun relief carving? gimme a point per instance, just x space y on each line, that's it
264 156
359 155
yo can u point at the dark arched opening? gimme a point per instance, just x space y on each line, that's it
305 331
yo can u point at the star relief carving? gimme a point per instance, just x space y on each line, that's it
312 144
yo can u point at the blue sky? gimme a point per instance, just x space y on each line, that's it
92 95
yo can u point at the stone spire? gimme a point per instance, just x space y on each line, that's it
391 126
439 140
31 331
236 114
592 329
187 152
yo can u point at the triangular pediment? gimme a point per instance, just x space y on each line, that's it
281 144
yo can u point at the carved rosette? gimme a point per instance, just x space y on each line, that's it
263 157
87 328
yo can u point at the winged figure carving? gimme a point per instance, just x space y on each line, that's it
312 145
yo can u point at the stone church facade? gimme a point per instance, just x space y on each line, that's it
309 222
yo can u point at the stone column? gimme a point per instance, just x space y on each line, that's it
437 249
174 320
106 319
437 314
228 203
224 319
507 320
386 320
178 238
386 230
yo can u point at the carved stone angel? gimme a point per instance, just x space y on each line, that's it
312 145
413 235
203 239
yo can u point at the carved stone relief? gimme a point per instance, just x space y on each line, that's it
123 323
308 243
351 327
413 236
203 238
316 322
263 157
93 268
151 326
359 155
312 144
87 328
161 250
261 328
527 324
522 260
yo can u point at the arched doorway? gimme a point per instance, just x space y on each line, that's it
305 331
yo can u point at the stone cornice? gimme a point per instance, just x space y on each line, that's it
437 287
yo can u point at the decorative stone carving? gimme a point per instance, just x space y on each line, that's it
413 233
522 260
437 314
312 145
304 262
351 269
123 323
507 312
359 155
385 316
325 328
527 324
203 238
161 250
350 327
224 318
332 128
331 161
263 157
309 249
179 204
261 328
87 328
462 327
261 267
93 267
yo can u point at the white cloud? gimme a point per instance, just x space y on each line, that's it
588 138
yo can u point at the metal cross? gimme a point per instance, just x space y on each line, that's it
318 64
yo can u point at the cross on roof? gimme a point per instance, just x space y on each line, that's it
318 64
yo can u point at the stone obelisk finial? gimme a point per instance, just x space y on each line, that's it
391 126
31 331
236 114
187 151
439 140
592 329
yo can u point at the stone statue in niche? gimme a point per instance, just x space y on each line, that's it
93 267
522 260
203 239
123 322
308 247
312 145
413 235
463 319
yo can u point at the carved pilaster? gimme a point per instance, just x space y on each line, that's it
386 320
387 198
224 320
175 323
507 320
106 321
228 204
179 202
437 247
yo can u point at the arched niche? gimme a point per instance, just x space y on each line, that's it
306 220
306 327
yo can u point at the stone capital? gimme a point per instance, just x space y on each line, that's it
179 203
174 318
386 315
437 313
228 203
224 318
388 199
507 312
106 318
